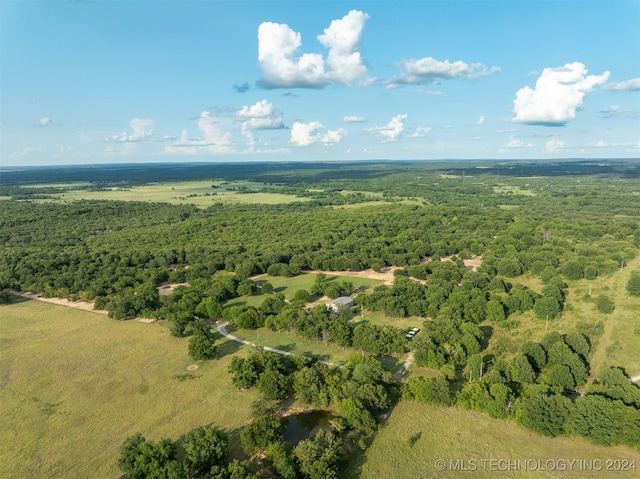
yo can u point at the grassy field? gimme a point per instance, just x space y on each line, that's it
75 384
292 344
620 340
416 435
615 337
513 190
289 286
381 319
199 193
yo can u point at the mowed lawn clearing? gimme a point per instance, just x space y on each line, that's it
293 344
289 286
75 384
417 435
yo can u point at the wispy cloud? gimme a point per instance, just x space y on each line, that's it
214 140
628 85
618 111
282 68
420 132
243 88
46 122
354 119
430 92
26 151
142 129
558 93
429 70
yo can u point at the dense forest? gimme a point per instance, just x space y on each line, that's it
553 224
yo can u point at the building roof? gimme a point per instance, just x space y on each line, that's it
341 301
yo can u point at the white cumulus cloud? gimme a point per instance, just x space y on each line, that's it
516 143
558 93
45 122
306 134
142 130
628 85
282 68
553 145
480 121
260 116
392 130
428 70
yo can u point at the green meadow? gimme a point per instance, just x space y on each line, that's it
75 384
614 337
198 193
289 286
418 435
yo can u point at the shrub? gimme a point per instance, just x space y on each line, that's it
605 304
633 285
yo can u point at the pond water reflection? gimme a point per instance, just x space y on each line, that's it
305 425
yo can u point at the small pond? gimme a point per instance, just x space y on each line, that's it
306 424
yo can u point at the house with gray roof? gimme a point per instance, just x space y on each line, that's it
341 302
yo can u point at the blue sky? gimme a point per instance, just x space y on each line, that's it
141 81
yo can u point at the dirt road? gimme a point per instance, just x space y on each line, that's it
84 305
222 329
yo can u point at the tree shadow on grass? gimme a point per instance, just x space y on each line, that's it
227 348
487 332
286 347
236 303
390 363
14 299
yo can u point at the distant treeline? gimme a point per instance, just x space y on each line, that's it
294 172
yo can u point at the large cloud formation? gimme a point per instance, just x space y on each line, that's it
429 70
559 92
281 68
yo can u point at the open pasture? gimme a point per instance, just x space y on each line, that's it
417 435
203 193
75 384
614 337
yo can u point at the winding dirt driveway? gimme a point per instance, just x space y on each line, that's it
222 329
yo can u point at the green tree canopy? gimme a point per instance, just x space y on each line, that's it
205 447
